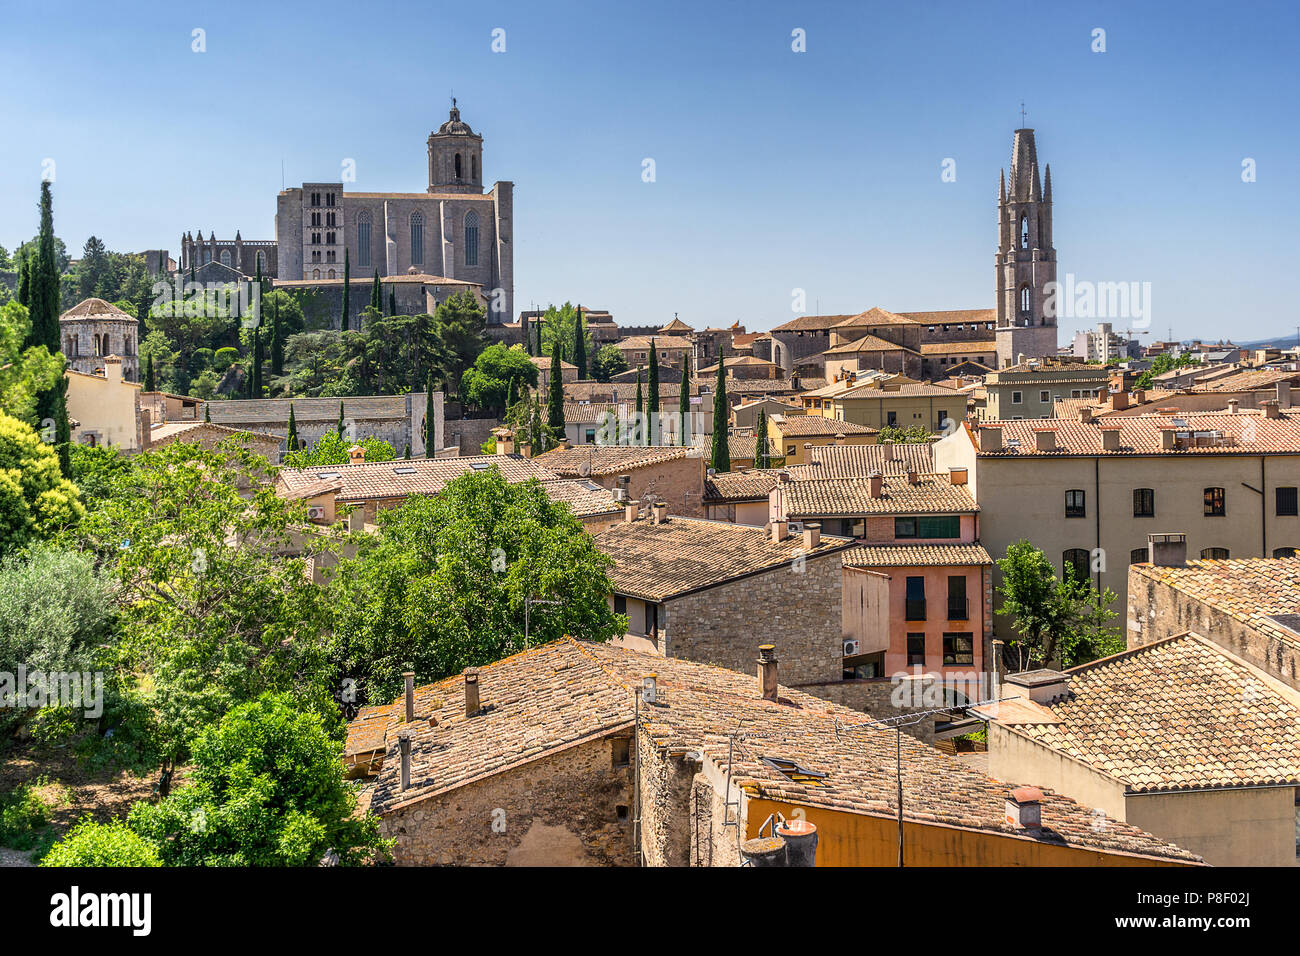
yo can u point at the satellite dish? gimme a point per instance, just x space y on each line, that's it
584 469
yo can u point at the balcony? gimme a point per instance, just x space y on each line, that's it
958 609
915 610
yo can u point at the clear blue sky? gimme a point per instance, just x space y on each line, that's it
775 170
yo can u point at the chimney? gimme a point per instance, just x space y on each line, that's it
659 512
889 449
1043 686
565 443
1085 414
471 691
1284 394
1167 550
999 667
875 484
1025 809
780 529
404 742
800 838
767 671
991 438
409 678
631 510
1139 396
840 439
1045 439
356 455
505 442
113 368
812 536
1168 438
957 476
913 477
1110 438
1234 406
1119 400
1270 409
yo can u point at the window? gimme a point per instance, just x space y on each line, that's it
1286 502
893 418
620 604
1024 298
417 238
1284 552
1017 398
915 603
1215 503
1144 502
959 648
261 260
1044 396
363 240
1075 561
1215 554
915 650
620 754
957 597
458 165
225 257
471 238
1138 556
928 526
1024 232
473 168
1075 503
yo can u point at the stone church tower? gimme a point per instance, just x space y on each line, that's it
1026 259
455 157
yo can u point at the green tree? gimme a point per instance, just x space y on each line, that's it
376 294
90 843
27 372
430 422
641 430
762 456
460 325
684 396
36 501
266 789
555 394
25 281
652 398
607 363
43 293
332 449
291 440
496 373
341 426
392 302
580 344
442 587
904 434
720 457
148 374
92 268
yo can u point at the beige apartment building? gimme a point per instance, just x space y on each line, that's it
1088 492
104 409
900 405
1030 390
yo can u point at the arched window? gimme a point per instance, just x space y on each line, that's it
1024 299
1214 554
458 165
1074 561
363 239
471 238
225 257
330 275
1284 552
207 256
417 236
1138 556
315 273
1024 232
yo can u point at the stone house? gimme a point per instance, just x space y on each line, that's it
645 473
92 330
104 408
588 754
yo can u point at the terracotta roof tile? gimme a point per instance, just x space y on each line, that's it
600 460
932 494
1245 433
814 426
915 555
402 477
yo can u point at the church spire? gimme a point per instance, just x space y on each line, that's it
1002 186
1047 189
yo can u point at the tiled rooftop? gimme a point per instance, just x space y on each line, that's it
1248 433
403 477
839 461
932 494
868 343
876 316
1248 380
915 555
600 460
905 390
1174 715
740 486
808 426
655 562
544 699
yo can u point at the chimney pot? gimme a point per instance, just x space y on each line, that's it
1270 409
1045 439
1168 438
780 530
889 449
1110 439
1025 809
812 536
631 510
356 455
1119 400
875 484
408 677
1085 414
1233 406
471 691
767 682
659 512
404 744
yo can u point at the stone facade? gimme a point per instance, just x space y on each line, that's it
244 257
93 330
322 299
454 230
1026 259
573 808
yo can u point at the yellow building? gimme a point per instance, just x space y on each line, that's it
900 405
105 409
794 434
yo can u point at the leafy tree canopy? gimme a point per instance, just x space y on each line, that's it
488 382
332 449
36 501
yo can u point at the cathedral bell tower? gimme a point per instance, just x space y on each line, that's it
455 157
1026 260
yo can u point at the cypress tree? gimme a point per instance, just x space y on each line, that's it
580 346
62 427
257 362
555 403
291 441
24 280
429 422
652 398
640 404
510 395
392 302
721 457
341 428
347 287
684 396
207 411
407 454
761 457
376 295
148 374
43 281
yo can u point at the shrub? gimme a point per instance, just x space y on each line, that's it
102 844
23 818
224 358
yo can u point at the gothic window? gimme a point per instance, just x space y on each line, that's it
225 257
331 274
1024 298
315 273
417 238
363 239
471 238
1024 232
458 165
1075 561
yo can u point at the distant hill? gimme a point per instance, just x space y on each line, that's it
1281 342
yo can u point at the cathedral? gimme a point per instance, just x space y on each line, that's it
454 230
1026 259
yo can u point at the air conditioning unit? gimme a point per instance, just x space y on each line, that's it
316 513
796 527
619 494
851 648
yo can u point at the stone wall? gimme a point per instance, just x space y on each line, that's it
798 611
875 697
561 810
469 434
664 784
680 482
